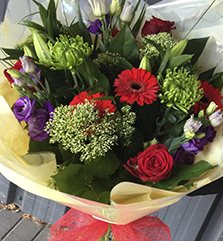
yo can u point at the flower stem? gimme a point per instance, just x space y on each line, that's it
200 18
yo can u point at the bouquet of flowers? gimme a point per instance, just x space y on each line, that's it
114 115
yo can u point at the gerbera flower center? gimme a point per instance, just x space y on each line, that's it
136 86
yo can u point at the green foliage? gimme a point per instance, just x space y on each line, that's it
73 180
103 166
125 44
195 47
184 173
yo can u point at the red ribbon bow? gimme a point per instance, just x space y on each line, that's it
79 226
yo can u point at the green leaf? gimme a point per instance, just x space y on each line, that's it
36 146
207 74
73 180
164 62
103 166
86 35
104 197
179 61
216 81
89 68
13 52
33 25
138 23
184 173
125 44
90 195
42 12
196 47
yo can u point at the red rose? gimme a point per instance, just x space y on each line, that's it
156 25
154 164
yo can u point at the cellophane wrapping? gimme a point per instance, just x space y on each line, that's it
129 201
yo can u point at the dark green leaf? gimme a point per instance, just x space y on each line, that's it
164 61
90 195
103 166
138 23
36 146
73 180
216 81
207 74
42 12
104 197
196 47
125 44
86 35
13 52
89 68
184 173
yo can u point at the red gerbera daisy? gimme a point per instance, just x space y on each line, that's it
136 85
100 105
210 94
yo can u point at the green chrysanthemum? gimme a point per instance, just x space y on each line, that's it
81 129
180 89
68 52
164 39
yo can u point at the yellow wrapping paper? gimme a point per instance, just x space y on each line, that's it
129 201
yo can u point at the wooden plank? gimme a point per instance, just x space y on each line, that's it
25 230
8 220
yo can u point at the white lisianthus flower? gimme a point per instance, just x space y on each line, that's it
27 64
216 118
127 11
191 127
98 8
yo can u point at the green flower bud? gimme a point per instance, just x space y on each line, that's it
201 114
115 8
178 49
211 108
14 73
189 134
29 52
41 47
145 64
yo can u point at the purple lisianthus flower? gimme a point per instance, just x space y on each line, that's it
23 108
210 134
183 157
36 124
196 145
95 27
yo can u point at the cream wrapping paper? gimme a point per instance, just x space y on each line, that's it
129 201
